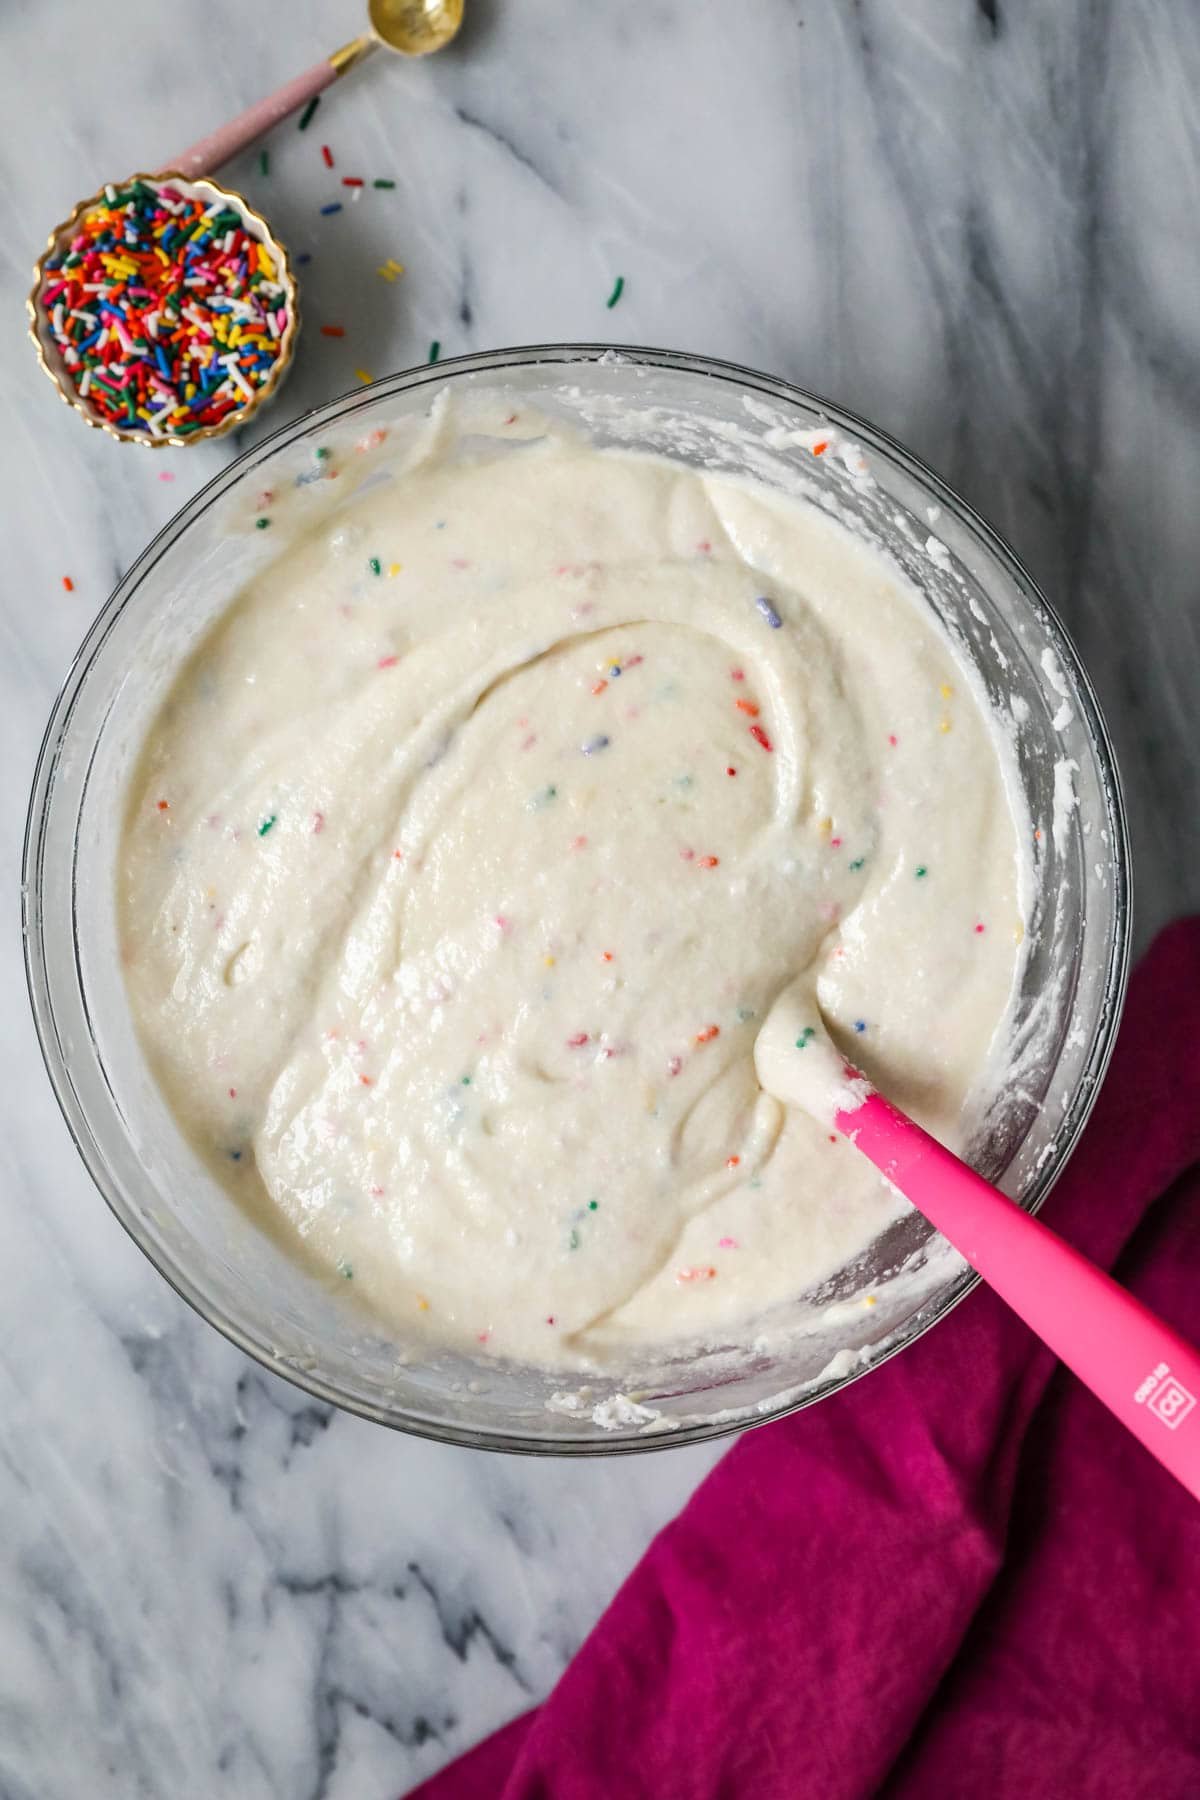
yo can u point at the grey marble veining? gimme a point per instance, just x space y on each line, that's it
975 223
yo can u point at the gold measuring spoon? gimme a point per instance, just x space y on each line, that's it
412 27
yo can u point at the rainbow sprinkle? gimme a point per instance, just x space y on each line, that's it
168 315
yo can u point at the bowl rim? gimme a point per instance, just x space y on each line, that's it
55 1058
240 416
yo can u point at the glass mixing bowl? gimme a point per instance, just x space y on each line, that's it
702 413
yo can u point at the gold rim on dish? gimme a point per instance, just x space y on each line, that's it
198 187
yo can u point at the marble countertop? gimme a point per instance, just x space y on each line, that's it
973 223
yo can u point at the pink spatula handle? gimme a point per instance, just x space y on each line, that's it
1144 1373
222 145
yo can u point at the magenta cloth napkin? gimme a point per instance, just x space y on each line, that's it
958 1577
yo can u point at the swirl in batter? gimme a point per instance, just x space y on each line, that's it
472 848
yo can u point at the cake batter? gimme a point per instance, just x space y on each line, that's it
473 846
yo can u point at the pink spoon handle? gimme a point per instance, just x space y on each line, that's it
224 143
1144 1373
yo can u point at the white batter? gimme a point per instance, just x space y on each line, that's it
472 848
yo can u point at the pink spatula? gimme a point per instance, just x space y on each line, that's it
1142 1370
